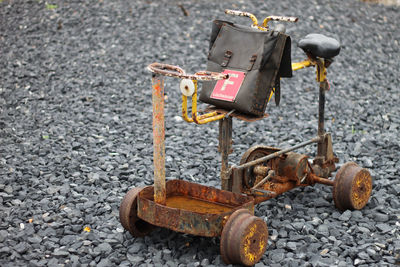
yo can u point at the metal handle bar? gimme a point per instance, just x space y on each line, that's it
264 27
175 71
279 18
246 14
242 14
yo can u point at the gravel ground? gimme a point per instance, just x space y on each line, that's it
75 131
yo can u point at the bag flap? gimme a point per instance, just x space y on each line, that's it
245 43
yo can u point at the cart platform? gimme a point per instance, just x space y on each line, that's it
191 208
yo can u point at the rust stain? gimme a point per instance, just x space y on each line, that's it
197 205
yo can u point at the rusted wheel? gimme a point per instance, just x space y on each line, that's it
128 215
251 154
352 187
244 239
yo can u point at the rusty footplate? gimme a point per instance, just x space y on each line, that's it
192 208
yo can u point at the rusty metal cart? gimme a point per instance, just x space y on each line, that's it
263 172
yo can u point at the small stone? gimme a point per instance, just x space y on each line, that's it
178 118
8 189
60 252
3 235
277 256
380 217
273 237
380 245
358 261
356 215
104 263
205 262
363 229
21 247
298 225
324 252
383 227
292 246
281 243
87 242
345 216
134 258
322 230
104 248
316 221
68 239
363 255
135 248
35 239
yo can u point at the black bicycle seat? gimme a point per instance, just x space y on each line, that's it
320 45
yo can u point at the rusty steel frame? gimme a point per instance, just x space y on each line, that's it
191 220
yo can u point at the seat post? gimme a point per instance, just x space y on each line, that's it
321 109
323 86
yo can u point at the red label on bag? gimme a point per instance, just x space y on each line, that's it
227 89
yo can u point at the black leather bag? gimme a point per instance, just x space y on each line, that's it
254 59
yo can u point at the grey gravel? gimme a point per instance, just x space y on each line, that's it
75 131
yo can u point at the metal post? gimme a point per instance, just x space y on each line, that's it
321 120
225 148
321 109
158 139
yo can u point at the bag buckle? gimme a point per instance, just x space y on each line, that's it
227 57
252 61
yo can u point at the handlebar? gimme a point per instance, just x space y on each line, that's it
264 27
177 72
242 14
279 18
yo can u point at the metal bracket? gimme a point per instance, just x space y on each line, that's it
262 193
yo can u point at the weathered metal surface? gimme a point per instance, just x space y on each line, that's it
352 187
244 239
198 119
250 175
294 166
279 18
205 118
128 215
158 138
177 72
192 208
278 153
225 148
278 185
314 179
237 180
278 175
324 162
166 69
246 14
234 114
321 112
271 173
301 65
